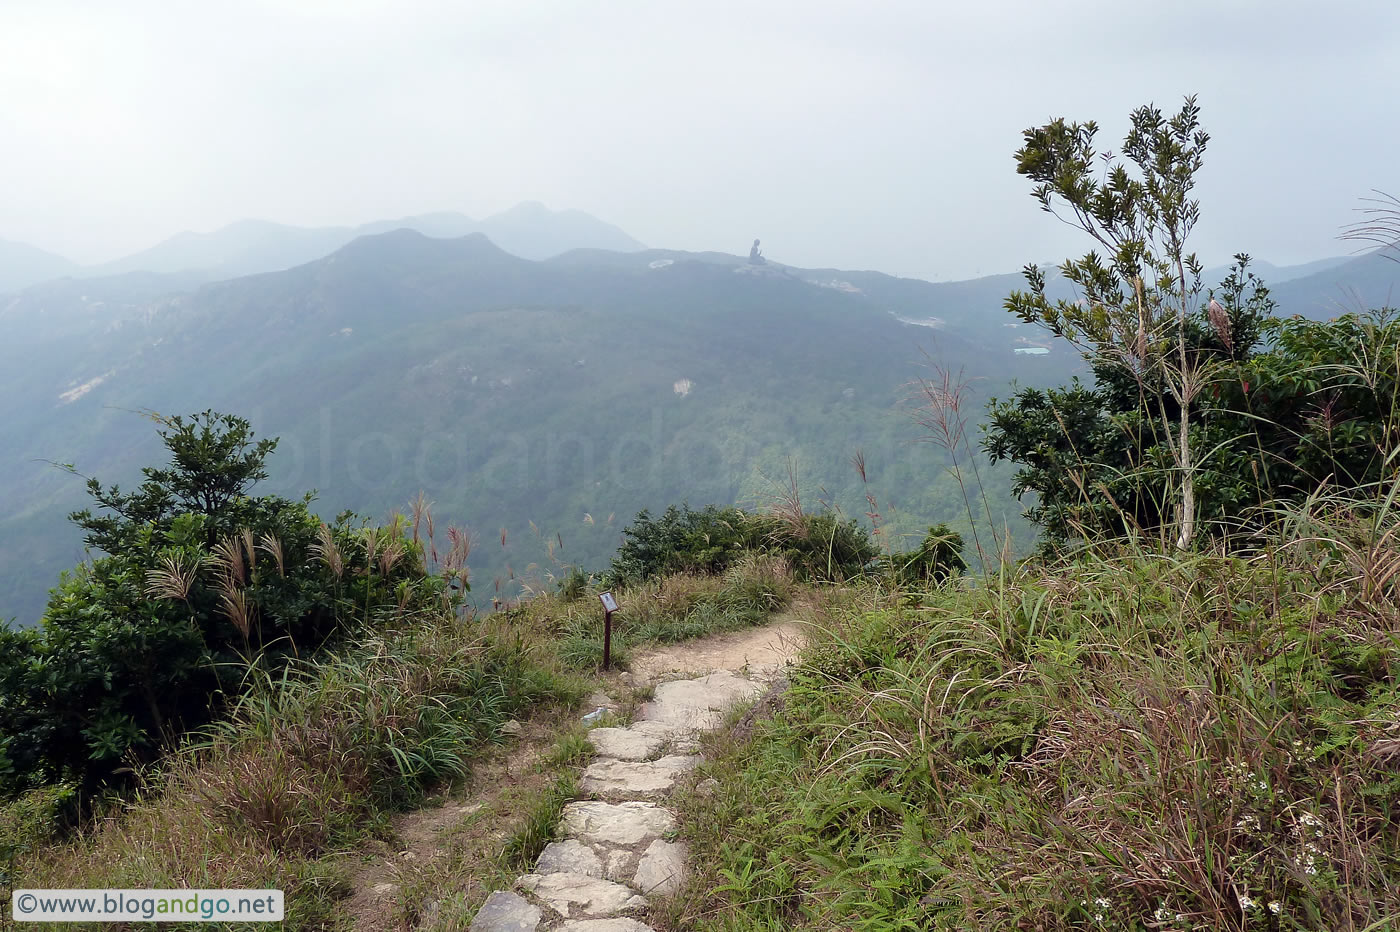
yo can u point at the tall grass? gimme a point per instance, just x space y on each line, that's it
308 765
1137 740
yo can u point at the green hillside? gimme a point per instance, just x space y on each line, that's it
550 399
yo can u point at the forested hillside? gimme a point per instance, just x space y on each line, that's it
540 403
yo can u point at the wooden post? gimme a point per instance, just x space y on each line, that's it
607 640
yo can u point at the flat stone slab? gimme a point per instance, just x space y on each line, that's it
581 896
662 868
569 856
617 824
504 911
637 742
606 925
614 777
699 704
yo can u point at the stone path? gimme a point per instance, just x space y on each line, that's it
615 849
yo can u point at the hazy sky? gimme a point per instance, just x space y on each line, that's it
861 135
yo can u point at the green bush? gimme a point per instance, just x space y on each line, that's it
938 559
818 546
681 540
29 821
201 583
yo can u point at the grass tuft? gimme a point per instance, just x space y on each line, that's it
1131 741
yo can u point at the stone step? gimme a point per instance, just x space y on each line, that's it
611 777
637 742
504 911
579 896
698 704
618 825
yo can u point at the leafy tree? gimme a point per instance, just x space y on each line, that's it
201 581
1137 296
1296 405
681 540
1098 457
215 460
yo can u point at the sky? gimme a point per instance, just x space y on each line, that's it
872 135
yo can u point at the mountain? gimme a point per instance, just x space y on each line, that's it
1368 281
533 231
569 393
243 248
1278 274
75 306
22 265
248 247
543 401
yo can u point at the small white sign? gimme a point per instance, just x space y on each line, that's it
609 603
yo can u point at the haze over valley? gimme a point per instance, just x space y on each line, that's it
542 396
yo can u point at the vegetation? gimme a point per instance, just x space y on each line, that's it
1179 714
1298 405
937 560
1135 741
203 587
681 540
309 763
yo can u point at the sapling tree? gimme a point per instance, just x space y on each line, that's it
1138 288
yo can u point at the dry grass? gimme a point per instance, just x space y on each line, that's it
312 766
1136 741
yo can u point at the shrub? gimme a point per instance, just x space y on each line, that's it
681 540
574 584
938 559
817 546
202 582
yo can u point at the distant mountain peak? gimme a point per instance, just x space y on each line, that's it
22 265
533 230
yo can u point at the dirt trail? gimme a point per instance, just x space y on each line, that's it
755 650
588 876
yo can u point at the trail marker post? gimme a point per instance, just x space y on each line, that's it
609 606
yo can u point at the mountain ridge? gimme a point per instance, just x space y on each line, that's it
510 390
251 246
515 390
